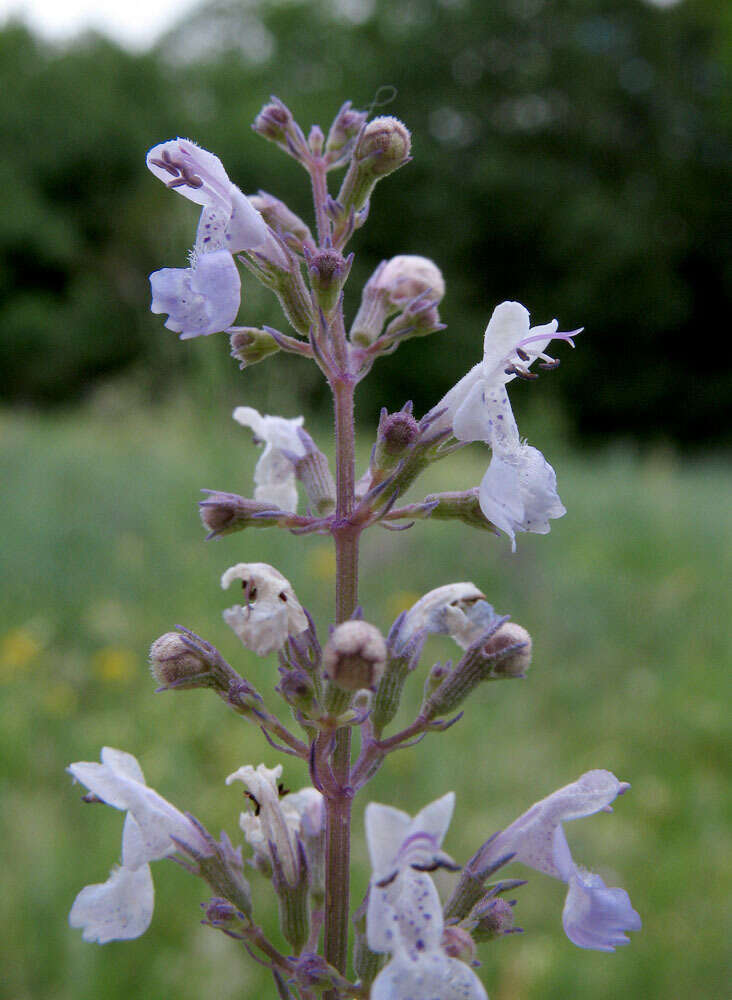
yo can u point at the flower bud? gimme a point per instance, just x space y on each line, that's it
285 223
382 147
511 646
355 656
391 288
408 276
397 433
298 690
328 273
221 913
224 513
316 140
458 943
494 918
249 345
276 123
503 653
346 126
273 121
385 143
175 664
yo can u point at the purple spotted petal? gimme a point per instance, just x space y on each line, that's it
199 300
433 976
595 916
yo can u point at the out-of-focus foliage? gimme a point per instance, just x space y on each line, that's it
574 155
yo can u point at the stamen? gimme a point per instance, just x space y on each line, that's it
550 365
388 880
257 807
554 336
522 354
179 170
165 164
523 373
437 863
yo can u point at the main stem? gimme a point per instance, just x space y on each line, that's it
338 806
345 536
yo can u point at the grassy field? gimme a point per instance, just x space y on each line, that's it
628 602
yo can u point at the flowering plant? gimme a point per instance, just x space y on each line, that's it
407 942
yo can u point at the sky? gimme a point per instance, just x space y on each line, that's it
135 25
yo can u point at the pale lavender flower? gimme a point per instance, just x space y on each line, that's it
594 915
204 298
280 817
519 489
121 908
459 610
274 475
404 916
271 611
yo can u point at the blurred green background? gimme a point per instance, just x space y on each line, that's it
574 155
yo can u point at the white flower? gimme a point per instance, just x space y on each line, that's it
274 475
204 298
459 610
272 611
594 916
278 820
404 916
121 908
519 490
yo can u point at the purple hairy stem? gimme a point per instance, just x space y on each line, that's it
338 795
317 169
